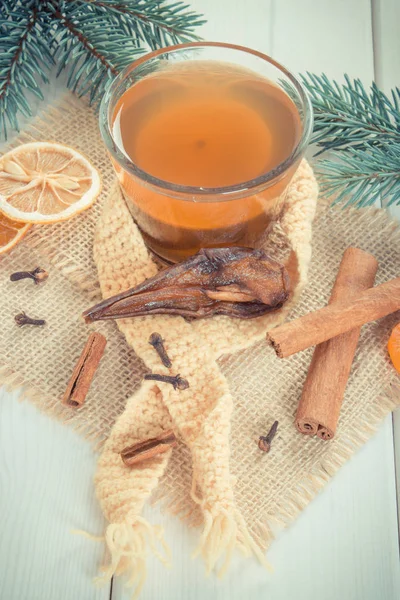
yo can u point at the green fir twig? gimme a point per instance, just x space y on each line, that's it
362 130
24 59
363 177
92 39
153 22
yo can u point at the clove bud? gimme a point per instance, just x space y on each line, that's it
38 275
264 442
22 319
157 342
176 381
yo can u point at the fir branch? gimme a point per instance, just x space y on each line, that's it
152 21
23 58
75 25
95 50
93 39
347 116
363 131
363 177
96 39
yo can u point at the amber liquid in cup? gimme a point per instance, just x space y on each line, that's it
209 125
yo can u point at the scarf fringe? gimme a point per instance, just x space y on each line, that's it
222 533
129 545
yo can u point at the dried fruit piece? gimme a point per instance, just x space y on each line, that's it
394 347
45 182
239 282
11 233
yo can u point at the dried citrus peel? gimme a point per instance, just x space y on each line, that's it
46 182
11 233
394 347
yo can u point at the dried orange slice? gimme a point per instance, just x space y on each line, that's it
45 182
11 233
394 347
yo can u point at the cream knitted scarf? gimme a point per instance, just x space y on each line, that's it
200 415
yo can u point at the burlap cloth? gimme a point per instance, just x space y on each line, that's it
271 488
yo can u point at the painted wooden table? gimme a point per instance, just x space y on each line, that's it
346 543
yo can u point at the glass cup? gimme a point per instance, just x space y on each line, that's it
225 184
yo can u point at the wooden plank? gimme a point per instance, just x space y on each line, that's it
330 37
248 23
386 19
46 491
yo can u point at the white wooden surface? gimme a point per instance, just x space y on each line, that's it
345 544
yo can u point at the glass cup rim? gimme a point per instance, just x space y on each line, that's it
168 186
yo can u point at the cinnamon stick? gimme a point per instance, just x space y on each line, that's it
335 319
321 400
84 371
148 448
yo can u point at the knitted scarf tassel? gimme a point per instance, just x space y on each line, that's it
122 491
